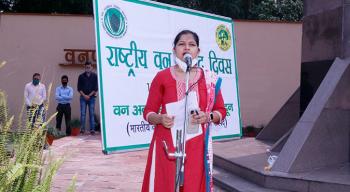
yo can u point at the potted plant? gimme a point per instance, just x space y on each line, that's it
51 134
75 127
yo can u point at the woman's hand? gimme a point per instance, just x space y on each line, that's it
167 120
199 118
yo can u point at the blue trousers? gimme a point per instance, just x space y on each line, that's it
91 104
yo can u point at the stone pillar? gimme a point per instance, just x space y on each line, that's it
322 43
321 136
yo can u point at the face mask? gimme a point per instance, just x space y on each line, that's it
182 64
64 84
88 70
36 81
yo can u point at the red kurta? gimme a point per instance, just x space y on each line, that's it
160 171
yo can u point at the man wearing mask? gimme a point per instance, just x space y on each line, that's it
34 96
87 87
64 95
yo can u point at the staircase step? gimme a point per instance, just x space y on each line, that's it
240 163
231 182
246 168
219 189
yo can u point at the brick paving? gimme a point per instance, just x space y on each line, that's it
94 170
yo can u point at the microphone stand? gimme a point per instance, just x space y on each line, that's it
180 150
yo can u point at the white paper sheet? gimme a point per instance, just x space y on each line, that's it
177 109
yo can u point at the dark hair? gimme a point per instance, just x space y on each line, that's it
64 77
87 63
184 32
36 74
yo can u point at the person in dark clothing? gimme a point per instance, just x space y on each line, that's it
64 96
87 87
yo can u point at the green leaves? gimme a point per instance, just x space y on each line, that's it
48 176
272 10
280 10
22 158
228 8
11 174
47 6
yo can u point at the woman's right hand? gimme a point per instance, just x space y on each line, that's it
167 120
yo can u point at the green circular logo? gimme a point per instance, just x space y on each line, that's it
114 22
223 37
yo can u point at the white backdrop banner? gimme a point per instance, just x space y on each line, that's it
134 40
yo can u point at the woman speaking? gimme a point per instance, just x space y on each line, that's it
169 86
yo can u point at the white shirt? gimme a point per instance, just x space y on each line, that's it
34 94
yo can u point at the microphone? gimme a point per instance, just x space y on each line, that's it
188 59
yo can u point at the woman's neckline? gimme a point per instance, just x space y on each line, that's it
176 78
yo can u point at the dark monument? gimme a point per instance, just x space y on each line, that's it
314 150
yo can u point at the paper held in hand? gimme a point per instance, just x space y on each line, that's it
177 109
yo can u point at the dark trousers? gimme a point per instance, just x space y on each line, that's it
63 109
35 115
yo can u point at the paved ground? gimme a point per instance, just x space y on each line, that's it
94 170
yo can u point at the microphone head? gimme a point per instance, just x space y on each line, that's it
188 59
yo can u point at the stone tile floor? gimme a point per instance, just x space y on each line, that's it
95 171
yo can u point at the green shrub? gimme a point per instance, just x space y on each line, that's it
55 132
25 168
75 123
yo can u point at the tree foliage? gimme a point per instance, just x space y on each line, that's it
47 6
272 10
280 10
228 8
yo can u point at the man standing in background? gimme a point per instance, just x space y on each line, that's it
64 95
34 96
87 87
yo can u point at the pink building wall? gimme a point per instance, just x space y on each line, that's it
268 60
